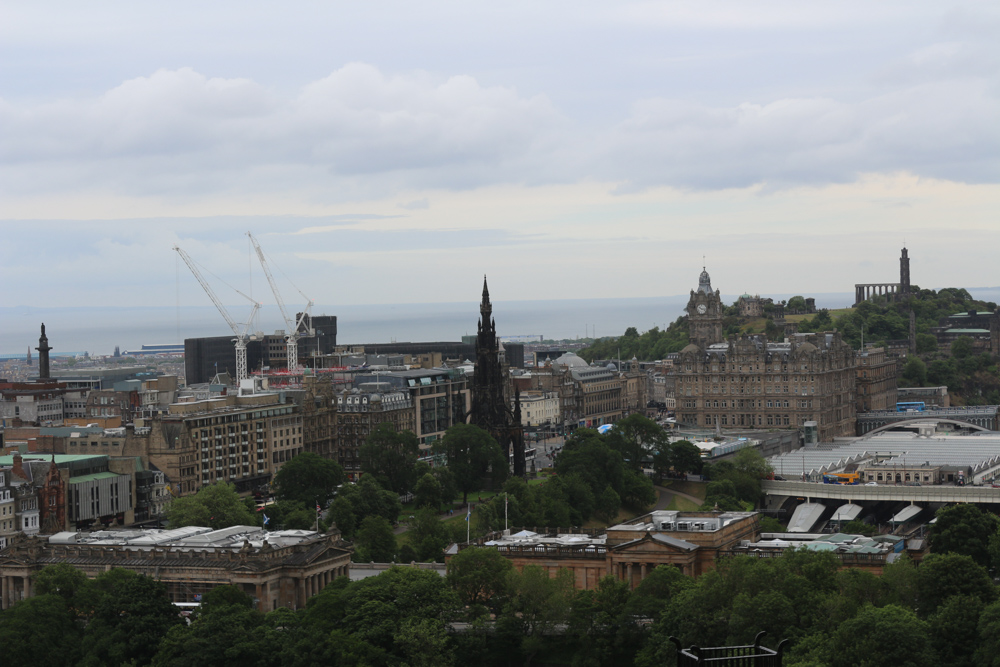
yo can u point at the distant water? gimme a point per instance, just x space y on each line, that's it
99 329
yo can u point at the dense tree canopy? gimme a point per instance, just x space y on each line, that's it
216 506
473 455
308 479
391 456
486 613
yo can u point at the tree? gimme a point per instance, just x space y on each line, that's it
608 504
309 479
472 456
686 457
480 577
40 631
60 579
964 529
538 605
377 607
954 631
882 636
428 535
391 457
941 576
428 492
926 343
289 515
366 498
375 541
988 629
216 506
129 621
914 373
796 303
634 438
961 347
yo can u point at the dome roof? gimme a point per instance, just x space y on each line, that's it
691 349
611 366
571 360
704 283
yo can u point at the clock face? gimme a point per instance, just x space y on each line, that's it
702 308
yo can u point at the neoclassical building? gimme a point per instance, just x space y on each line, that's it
689 541
278 569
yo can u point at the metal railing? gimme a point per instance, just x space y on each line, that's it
731 656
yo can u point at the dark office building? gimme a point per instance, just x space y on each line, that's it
324 335
204 357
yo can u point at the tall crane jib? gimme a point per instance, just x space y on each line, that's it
242 335
293 328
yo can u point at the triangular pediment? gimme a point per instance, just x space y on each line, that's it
655 543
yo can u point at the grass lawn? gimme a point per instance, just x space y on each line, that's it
680 504
834 314
696 489
757 324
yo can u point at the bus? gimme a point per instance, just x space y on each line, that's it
910 406
842 478
529 455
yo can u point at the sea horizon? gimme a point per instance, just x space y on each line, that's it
99 329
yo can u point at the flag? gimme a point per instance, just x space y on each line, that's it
469 513
266 519
318 508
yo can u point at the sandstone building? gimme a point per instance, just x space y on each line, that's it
689 541
752 382
277 569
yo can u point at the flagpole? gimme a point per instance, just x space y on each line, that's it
505 528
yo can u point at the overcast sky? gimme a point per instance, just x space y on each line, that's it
393 152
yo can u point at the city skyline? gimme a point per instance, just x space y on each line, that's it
394 156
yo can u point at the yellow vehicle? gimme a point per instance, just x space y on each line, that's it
842 478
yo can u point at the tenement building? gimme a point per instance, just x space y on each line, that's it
277 569
360 411
875 381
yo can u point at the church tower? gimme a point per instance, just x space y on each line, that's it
704 310
490 406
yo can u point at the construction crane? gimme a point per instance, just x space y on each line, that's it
293 328
241 335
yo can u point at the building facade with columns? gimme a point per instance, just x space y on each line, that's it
277 569
689 541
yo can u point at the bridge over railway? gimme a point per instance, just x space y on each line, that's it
942 493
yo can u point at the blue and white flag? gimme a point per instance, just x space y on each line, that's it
265 519
469 513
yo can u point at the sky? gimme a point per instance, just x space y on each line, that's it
394 152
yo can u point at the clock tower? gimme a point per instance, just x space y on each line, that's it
704 312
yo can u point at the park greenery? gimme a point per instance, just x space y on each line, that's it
972 378
944 611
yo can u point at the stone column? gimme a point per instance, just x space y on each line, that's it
642 571
27 587
260 598
3 592
629 575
